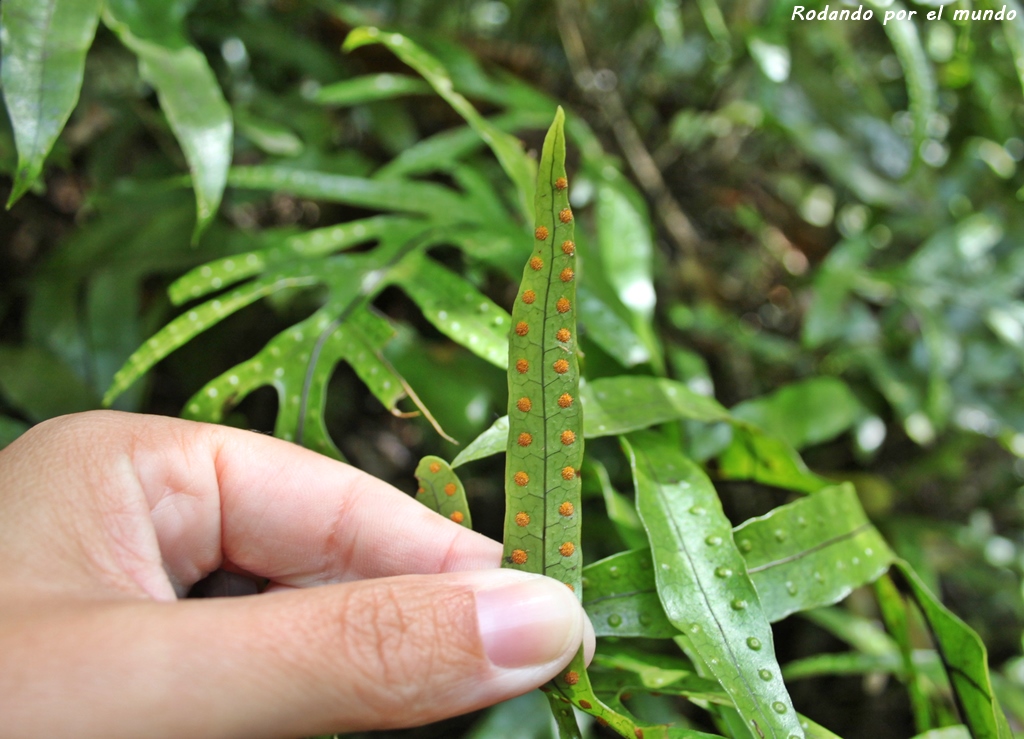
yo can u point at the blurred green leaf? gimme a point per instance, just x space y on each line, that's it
507 149
408 197
369 88
804 413
44 47
188 92
40 385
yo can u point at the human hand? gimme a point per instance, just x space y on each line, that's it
106 519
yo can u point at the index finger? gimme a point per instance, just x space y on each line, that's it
217 495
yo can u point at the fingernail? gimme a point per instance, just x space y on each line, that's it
529 622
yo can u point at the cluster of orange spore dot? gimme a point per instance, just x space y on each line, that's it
457 517
529 296
566 509
518 556
568 437
561 183
563 305
522 518
450 489
561 366
563 335
571 677
568 473
565 215
566 275
541 232
435 467
522 366
564 401
522 328
536 263
570 586
524 404
521 478
525 439
567 549
585 705
569 247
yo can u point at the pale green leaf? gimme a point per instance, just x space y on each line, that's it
188 92
368 88
44 48
804 413
410 197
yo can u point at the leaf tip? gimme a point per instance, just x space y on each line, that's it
360 37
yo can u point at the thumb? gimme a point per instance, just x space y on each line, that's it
371 654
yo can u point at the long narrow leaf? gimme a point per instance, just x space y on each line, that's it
703 584
188 92
506 148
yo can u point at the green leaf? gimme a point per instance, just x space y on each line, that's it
703 585
545 441
964 656
949 732
894 613
841 663
332 334
409 197
1014 31
188 92
506 148
621 599
490 442
441 490
40 385
621 511
608 329
916 68
812 552
369 88
190 324
44 48
627 254
755 455
308 245
437 152
456 308
565 719
804 413
269 136
618 405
